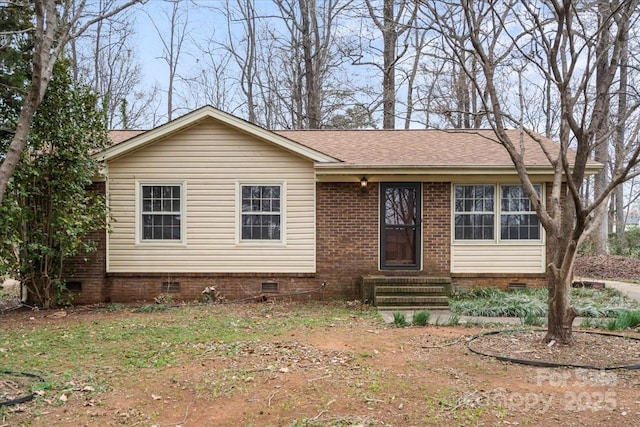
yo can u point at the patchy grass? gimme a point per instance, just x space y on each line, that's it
529 304
153 339
152 308
284 364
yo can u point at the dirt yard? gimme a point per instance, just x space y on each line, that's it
349 369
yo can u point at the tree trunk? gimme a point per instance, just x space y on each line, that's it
561 314
390 39
601 183
43 39
310 72
623 87
547 39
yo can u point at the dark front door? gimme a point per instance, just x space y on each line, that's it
400 226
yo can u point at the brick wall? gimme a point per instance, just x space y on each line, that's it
145 287
89 269
437 228
348 234
347 248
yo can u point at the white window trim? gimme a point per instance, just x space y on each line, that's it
283 214
497 213
501 213
453 212
138 213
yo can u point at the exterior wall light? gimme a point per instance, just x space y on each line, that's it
363 184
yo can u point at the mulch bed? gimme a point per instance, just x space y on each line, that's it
607 267
596 350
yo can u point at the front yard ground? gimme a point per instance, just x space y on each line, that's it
286 364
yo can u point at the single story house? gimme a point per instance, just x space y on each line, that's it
209 199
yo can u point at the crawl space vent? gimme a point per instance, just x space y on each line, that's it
516 286
74 286
170 286
269 286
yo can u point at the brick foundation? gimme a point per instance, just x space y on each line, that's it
189 287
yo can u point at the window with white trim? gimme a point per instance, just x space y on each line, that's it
476 213
161 212
518 219
261 212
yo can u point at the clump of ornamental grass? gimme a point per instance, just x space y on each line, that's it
421 318
399 319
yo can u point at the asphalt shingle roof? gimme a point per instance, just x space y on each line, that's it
118 136
410 148
427 147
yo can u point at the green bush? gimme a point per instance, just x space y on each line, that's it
626 244
421 318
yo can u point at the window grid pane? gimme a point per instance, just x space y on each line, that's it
261 215
474 216
161 212
518 220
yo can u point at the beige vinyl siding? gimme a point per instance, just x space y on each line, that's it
210 160
497 258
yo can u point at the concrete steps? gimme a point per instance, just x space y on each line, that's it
407 292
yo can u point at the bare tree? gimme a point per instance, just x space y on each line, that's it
392 24
435 84
418 45
556 40
172 45
105 58
314 57
279 67
239 47
54 24
213 84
